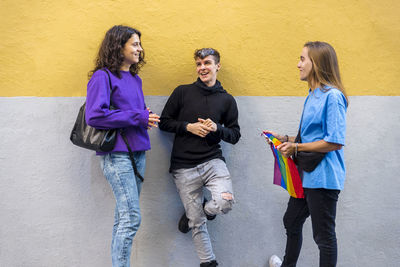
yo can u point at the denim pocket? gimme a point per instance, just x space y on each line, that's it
219 168
121 161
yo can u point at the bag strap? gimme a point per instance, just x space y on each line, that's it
298 137
111 107
122 133
131 156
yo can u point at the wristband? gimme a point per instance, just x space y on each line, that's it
295 151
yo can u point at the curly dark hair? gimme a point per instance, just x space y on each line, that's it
110 53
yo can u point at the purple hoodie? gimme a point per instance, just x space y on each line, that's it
130 110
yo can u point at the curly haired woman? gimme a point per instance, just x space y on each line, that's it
118 62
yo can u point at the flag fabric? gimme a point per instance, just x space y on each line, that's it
286 174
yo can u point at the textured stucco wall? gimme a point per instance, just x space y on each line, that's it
56 209
47 47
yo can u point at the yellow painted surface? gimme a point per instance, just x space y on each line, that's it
47 47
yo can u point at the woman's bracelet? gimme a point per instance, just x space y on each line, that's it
295 151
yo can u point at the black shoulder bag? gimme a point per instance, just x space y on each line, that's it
307 161
86 136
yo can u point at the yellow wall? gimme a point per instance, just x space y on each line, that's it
47 47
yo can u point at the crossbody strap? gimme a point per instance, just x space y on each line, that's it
298 136
111 107
121 131
131 156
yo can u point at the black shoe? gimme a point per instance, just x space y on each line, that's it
209 264
209 217
183 225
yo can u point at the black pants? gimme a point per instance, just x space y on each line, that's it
321 205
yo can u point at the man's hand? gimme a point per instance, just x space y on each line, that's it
209 123
198 129
153 119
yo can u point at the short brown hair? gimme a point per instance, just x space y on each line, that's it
205 52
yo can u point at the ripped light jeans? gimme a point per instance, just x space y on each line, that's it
117 169
214 176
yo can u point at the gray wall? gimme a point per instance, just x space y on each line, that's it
56 207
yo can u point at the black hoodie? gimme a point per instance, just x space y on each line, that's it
188 103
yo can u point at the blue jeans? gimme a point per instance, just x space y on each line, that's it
117 169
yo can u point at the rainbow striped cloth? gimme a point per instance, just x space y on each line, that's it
285 170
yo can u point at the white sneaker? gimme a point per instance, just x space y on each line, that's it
275 261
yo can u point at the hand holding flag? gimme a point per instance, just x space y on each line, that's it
285 171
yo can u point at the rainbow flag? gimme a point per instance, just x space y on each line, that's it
285 170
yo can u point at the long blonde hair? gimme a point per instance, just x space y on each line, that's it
325 68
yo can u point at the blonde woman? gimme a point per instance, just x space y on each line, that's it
322 129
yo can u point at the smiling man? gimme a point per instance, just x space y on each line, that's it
201 114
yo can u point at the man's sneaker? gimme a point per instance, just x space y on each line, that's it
275 261
209 217
183 225
209 264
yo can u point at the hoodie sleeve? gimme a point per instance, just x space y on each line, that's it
98 113
170 113
229 130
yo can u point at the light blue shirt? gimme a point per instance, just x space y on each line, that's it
324 118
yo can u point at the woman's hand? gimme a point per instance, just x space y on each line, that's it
153 120
279 137
198 129
287 149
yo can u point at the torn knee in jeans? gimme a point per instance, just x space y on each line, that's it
226 204
227 196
